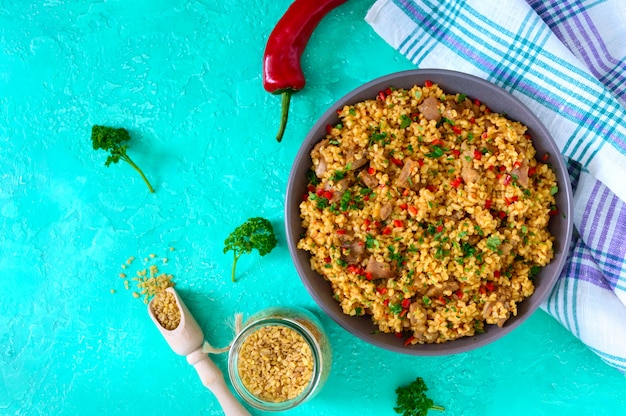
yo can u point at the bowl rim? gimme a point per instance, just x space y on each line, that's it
540 135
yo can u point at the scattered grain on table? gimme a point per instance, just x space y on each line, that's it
149 280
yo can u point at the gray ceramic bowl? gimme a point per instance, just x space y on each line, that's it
498 100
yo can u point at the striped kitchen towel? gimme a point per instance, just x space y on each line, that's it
566 60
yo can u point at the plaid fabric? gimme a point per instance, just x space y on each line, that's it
569 69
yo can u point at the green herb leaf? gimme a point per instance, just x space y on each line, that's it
436 151
405 121
493 243
412 400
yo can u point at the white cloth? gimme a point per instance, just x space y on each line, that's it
566 60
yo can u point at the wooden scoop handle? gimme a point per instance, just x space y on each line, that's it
213 379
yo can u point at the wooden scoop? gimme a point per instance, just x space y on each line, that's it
187 339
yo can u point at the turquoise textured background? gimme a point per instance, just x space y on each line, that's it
185 78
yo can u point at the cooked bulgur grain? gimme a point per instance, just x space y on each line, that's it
165 310
428 212
275 363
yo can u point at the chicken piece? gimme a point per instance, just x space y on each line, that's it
338 188
379 270
404 178
521 172
385 211
316 155
355 159
451 110
435 292
430 109
368 180
352 251
468 173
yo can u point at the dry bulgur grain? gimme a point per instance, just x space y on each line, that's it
275 363
165 310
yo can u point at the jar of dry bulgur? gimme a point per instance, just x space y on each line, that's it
280 359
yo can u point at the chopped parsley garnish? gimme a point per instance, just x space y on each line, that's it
493 243
436 151
395 308
405 121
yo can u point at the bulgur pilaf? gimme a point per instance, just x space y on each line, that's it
428 212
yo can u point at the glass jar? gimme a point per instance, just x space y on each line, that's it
296 334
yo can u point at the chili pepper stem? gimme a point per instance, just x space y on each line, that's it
131 163
284 113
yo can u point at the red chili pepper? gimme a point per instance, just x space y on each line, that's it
381 290
341 231
472 120
436 142
403 206
488 203
459 293
420 162
398 223
545 156
439 228
457 182
428 83
476 102
532 171
282 73
412 210
396 162
496 274
371 170
368 276
406 303
489 286
387 231
477 154
409 340
455 152
329 128
457 129
398 334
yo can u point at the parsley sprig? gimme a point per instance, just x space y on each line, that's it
412 399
